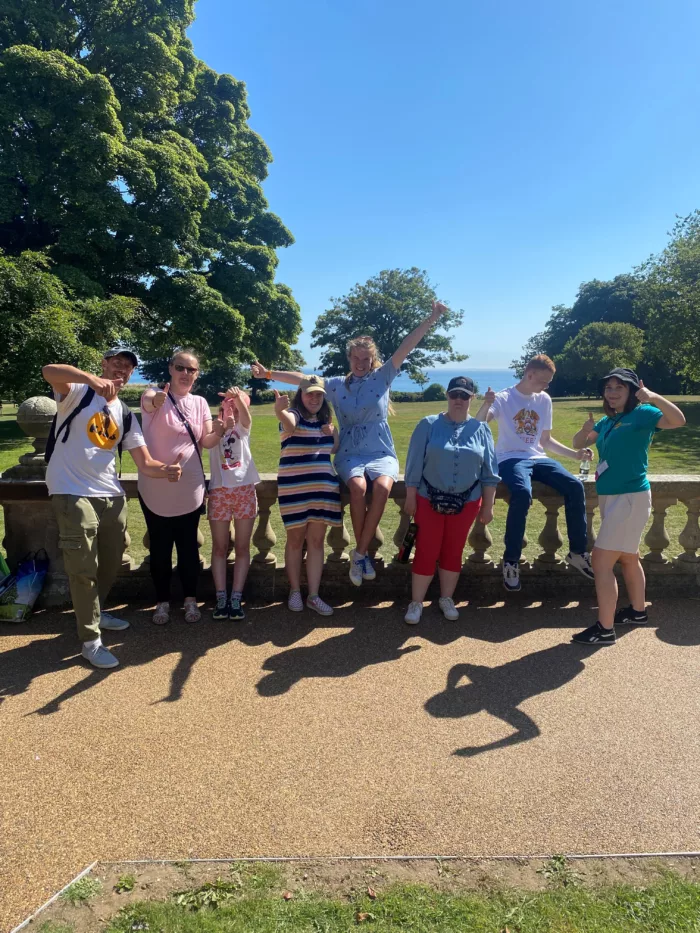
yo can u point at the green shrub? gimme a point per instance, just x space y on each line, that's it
434 393
406 396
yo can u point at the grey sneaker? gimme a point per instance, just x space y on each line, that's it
511 577
111 623
98 656
413 613
449 610
368 571
319 606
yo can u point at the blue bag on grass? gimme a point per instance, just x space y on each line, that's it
19 590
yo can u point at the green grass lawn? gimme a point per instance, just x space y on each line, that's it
670 905
671 452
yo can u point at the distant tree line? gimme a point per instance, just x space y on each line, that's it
647 320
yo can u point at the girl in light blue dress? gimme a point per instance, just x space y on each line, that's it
366 450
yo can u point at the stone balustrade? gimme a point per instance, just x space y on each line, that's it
673 566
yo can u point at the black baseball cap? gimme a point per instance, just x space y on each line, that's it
624 375
118 351
464 383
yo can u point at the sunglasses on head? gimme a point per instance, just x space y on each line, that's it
458 393
190 370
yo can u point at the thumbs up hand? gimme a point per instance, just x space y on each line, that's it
173 471
160 396
643 394
281 403
589 424
490 396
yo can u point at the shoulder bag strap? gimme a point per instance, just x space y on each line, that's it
188 426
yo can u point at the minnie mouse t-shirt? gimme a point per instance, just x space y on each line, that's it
231 462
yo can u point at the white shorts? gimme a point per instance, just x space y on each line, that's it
623 519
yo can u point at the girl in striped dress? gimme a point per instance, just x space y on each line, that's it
308 487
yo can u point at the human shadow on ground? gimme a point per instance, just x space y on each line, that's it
137 646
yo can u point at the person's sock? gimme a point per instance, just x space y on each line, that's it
220 594
359 556
94 644
237 594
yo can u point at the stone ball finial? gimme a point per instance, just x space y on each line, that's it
34 416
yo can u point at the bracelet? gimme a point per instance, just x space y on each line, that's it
268 374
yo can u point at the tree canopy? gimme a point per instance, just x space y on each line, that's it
129 165
387 307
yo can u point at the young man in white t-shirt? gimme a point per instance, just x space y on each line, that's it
86 494
524 415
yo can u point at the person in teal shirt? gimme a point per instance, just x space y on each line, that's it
633 415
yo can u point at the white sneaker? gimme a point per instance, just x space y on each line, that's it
111 623
511 577
368 571
413 613
98 656
319 606
449 610
357 566
582 563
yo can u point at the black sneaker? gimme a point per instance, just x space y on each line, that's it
630 616
235 611
220 609
596 635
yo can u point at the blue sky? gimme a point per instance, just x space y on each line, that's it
513 150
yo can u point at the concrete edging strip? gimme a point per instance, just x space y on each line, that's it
85 871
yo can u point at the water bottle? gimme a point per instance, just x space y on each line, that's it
584 469
407 544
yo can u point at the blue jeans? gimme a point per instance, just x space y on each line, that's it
518 476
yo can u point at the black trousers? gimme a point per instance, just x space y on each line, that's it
164 531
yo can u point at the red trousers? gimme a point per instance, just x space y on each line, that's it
441 538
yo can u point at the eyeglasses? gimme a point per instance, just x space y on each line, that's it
457 394
190 370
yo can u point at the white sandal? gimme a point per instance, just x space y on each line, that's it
162 614
192 613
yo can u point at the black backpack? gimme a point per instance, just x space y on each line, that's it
65 427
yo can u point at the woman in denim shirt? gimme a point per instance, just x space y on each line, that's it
451 467
366 449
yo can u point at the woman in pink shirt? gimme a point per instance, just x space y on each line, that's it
176 421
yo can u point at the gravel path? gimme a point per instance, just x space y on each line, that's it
293 736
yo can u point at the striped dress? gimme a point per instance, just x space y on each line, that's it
308 487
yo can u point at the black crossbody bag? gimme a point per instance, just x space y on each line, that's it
188 426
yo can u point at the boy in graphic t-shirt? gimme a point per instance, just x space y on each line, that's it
524 415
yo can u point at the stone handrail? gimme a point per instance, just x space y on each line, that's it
30 525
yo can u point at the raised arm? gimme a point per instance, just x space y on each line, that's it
672 416
60 376
276 375
237 398
485 413
284 416
414 338
586 435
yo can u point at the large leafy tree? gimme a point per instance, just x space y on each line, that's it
619 301
130 164
671 296
386 307
595 350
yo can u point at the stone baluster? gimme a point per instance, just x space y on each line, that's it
265 538
689 538
591 505
203 561
375 544
550 539
147 545
338 540
656 539
480 541
401 529
128 562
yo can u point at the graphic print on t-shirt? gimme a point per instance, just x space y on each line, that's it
230 460
525 423
102 430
